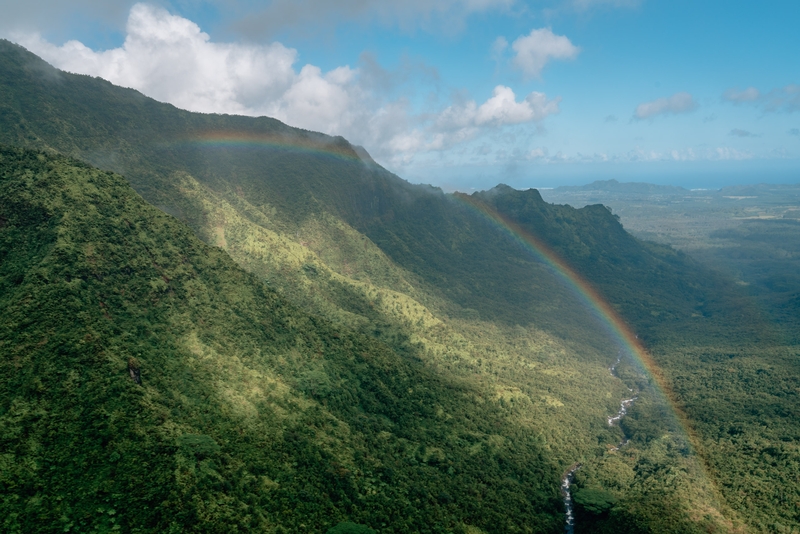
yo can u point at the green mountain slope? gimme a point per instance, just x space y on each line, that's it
150 385
662 292
433 293
285 180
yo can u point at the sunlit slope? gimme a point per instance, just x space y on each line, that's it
249 415
293 182
247 199
560 389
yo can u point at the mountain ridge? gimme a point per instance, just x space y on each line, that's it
419 278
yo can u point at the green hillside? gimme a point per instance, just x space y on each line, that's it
151 385
391 357
288 181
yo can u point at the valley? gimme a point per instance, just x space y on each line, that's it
748 232
319 342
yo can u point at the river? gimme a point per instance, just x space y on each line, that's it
569 475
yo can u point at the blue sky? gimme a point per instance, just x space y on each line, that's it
468 93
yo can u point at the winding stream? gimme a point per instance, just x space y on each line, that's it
625 404
569 475
569 525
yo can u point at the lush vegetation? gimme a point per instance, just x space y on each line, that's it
382 357
245 414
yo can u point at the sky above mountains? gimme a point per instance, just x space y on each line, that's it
468 93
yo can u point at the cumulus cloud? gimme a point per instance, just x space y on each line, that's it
677 103
535 50
171 59
786 99
748 95
538 153
794 131
462 121
783 99
503 108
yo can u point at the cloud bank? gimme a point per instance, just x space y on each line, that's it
780 100
169 58
748 95
677 103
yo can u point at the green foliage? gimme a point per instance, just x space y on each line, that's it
198 445
251 415
744 401
594 501
292 178
393 358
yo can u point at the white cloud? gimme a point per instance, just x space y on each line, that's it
677 103
502 107
783 99
534 50
169 58
748 95
537 153
463 121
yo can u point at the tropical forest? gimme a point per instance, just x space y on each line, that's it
215 323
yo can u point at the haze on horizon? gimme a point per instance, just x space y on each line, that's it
468 93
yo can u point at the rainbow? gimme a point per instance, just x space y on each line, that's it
619 331
318 145
610 320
